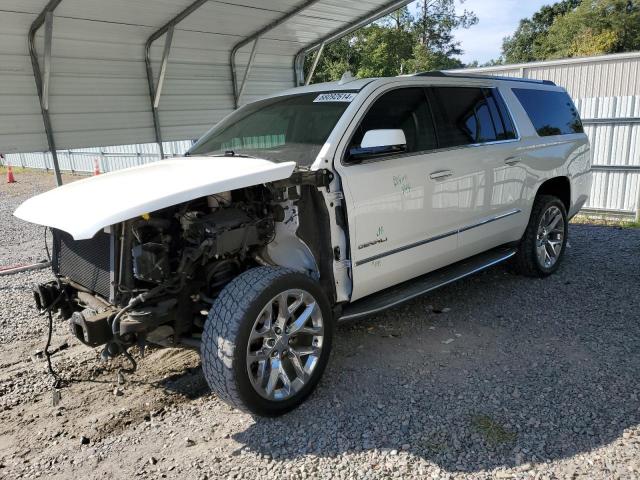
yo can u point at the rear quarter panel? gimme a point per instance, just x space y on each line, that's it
543 158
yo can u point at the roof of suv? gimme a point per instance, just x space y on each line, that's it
356 84
441 74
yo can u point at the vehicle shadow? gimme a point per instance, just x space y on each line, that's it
519 370
191 383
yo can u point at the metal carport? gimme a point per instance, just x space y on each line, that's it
140 71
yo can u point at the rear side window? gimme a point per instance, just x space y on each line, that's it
406 109
551 112
500 112
468 115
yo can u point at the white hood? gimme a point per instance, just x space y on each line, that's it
84 207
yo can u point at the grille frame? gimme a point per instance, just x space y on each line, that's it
89 263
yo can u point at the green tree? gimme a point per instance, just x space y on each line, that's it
383 51
490 63
436 21
595 27
337 58
493 62
574 28
424 60
525 43
401 19
397 44
435 46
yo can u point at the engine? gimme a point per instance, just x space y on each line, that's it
160 272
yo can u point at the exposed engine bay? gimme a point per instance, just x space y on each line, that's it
154 278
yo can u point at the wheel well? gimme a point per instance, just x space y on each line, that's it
559 187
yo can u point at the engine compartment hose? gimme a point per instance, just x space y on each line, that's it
57 380
135 301
115 325
132 368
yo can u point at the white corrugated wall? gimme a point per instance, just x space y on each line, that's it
615 144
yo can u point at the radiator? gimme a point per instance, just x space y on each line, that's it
86 262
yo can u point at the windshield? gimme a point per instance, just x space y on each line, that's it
278 129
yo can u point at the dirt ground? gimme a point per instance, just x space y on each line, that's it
496 376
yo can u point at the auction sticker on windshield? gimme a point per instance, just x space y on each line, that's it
335 97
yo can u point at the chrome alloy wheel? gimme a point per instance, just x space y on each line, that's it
550 237
285 345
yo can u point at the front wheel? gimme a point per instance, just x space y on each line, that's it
267 340
543 244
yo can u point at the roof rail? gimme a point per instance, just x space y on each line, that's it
440 73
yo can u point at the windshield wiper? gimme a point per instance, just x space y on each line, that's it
231 153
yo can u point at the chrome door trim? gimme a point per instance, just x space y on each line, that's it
489 220
438 237
406 247
427 152
440 174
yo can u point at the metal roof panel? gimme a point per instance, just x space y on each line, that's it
98 83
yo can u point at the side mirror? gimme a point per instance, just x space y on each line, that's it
376 143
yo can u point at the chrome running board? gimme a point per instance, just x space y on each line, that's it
410 289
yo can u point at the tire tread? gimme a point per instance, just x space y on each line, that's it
525 262
223 326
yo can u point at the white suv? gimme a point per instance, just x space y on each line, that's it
327 202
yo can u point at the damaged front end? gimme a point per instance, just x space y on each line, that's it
154 278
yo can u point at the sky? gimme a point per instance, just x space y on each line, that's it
496 20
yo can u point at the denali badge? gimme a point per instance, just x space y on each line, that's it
372 242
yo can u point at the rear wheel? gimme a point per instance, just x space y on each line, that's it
267 340
542 247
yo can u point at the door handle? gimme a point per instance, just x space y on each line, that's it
512 160
440 174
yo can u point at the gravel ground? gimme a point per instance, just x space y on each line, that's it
22 242
513 378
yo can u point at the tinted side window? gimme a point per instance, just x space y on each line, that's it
406 109
505 129
462 116
552 113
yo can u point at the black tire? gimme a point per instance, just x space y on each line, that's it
226 334
526 261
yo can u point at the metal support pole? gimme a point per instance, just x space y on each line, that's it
255 36
48 39
153 97
298 62
252 56
163 65
298 70
154 110
315 64
45 16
